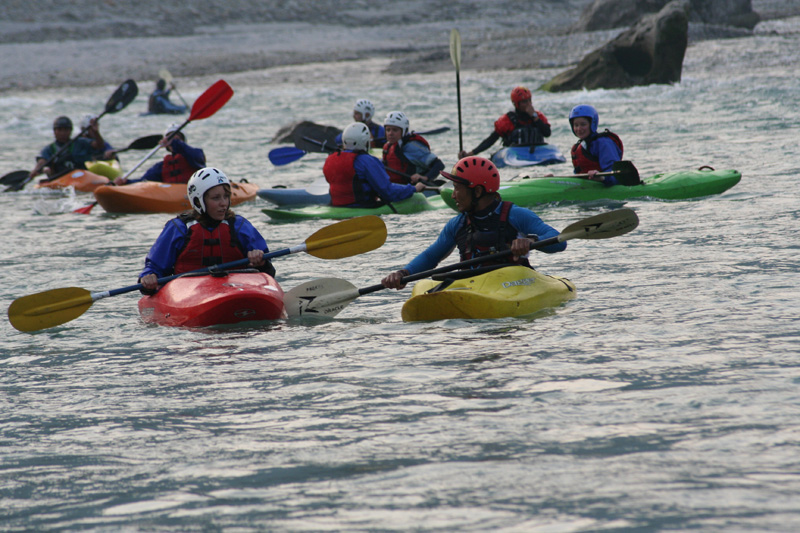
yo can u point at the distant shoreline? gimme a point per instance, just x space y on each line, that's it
232 45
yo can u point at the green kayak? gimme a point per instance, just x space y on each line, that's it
667 186
415 204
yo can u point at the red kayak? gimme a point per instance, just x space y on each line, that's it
197 301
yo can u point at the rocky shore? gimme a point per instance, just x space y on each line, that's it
47 43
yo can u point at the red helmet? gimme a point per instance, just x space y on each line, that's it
473 171
518 94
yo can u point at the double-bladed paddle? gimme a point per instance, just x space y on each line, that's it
205 106
165 75
142 143
123 96
326 297
57 306
455 57
625 172
283 155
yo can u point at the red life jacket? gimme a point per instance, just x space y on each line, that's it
341 176
176 169
491 234
519 129
583 161
204 247
393 159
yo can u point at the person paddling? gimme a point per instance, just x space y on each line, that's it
407 152
484 224
524 126
80 150
364 111
177 166
594 152
210 234
159 102
358 179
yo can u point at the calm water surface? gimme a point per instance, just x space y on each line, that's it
665 397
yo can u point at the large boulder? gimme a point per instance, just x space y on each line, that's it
608 14
650 52
308 136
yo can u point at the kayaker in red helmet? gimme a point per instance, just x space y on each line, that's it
210 234
484 224
524 126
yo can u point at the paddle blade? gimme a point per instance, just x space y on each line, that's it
602 226
15 178
324 297
626 173
211 100
86 209
347 238
145 143
285 155
123 96
455 48
165 75
49 308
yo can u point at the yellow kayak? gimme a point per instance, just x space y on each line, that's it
110 169
504 292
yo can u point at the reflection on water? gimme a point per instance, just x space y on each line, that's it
662 397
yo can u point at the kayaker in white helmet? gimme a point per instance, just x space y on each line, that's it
358 179
484 224
407 155
364 111
210 234
524 126
178 165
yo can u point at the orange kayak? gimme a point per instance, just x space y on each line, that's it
215 299
82 180
157 197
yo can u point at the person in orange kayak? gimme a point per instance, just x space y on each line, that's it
358 179
407 152
484 224
177 166
210 234
524 126
75 156
594 152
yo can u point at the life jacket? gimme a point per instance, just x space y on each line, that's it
176 169
345 187
477 237
518 129
65 162
583 161
394 159
204 247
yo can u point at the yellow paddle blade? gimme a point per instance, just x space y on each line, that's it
49 308
347 238
455 48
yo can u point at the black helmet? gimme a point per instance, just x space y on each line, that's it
62 122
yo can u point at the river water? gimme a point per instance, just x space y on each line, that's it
664 397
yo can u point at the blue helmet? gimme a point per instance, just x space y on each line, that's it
586 111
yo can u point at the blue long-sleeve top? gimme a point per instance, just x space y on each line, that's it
425 161
161 258
195 156
375 181
524 220
607 153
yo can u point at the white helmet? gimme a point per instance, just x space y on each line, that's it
201 181
366 109
173 128
398 119
356 136
86 120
